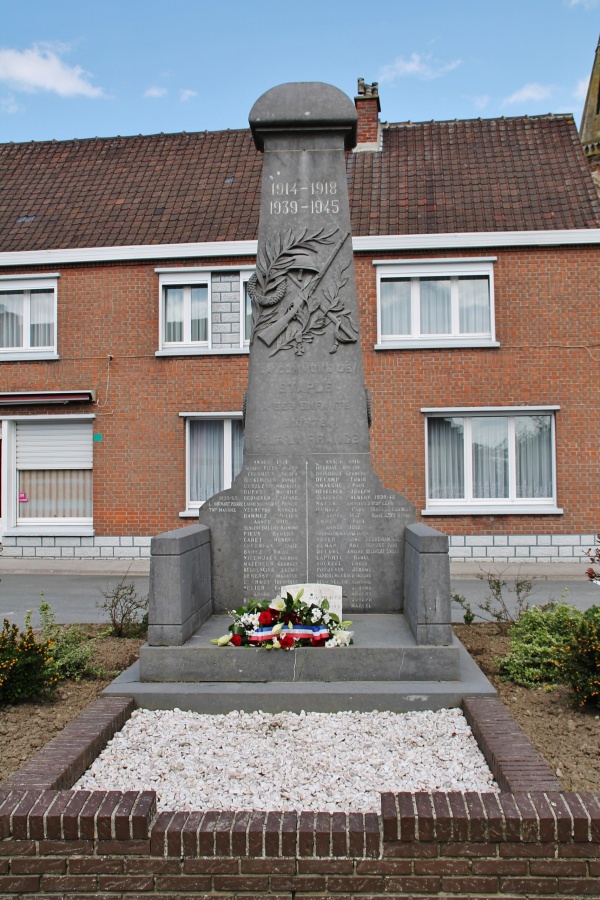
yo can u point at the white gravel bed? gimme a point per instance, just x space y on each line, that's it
289 761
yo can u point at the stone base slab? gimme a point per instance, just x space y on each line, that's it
384 649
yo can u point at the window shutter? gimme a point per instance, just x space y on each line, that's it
54 445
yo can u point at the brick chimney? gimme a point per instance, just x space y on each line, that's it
368 109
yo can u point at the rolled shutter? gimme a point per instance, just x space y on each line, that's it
54 445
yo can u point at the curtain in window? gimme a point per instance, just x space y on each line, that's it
395 306
533 437
490 456
55 494
199 312
436 306
446 459
474 305
11 318
42 319
237 447
247 313
173 314
206 459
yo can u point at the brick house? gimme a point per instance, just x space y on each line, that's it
124 331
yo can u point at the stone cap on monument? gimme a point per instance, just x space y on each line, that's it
304 106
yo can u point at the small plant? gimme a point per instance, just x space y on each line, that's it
26 665
580 662
127 612
538 641
593 554
469 615
495 607
72 652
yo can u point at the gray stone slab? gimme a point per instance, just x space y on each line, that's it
180 585
427 599
383 651
361 696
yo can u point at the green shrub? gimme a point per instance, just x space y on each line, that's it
538 640
26 665
580 662
127 613
72 652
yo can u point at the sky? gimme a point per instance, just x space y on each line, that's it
80 69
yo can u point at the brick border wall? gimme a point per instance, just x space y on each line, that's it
514 844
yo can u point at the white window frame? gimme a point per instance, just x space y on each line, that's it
192 507
9 522
416 269
25 284
188 277
470 506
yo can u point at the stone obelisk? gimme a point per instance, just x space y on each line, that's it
307 506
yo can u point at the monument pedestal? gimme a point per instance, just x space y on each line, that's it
385 669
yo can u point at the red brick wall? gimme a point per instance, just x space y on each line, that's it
546 322
367 109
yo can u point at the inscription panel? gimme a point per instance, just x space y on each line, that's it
272 516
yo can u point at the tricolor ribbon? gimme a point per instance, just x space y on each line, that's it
298 632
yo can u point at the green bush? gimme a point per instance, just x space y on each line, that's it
26 665
580 662
538 642
72 652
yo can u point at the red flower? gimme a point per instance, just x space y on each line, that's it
236 640
318 642
286 641
266 617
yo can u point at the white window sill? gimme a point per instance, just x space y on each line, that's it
432 344
189 514
27 355
50 531
504 510
203 351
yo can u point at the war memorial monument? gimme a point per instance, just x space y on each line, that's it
307 505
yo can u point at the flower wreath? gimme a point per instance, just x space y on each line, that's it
286 623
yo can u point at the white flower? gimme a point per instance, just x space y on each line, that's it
277 628
327 618
343 637
278 604
276 644
316 614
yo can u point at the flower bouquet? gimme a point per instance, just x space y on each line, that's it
285 623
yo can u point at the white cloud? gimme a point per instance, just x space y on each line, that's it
423 67
587 4
9 105
527 93
155 92
580 92
187 94
481 101
41 69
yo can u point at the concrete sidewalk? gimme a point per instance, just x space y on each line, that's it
74 587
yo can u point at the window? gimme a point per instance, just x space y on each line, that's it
203 311
215 449
28 318
49 467
492 460
246 309
435 303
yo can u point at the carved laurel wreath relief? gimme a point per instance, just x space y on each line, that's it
295 296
